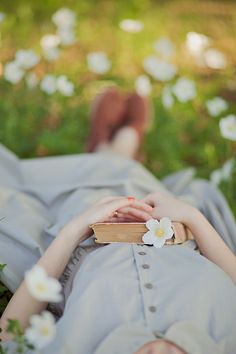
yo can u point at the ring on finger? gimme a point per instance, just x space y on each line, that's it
115 213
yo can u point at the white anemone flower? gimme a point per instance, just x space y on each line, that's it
26 58
31 80
42 330
64 18
165 47
50 41
159 232
51 54
167 98
215 59
49 84
98 62
216 106
41 286
12 72
228 127
2 16
67 36
64 86
196 43
159 69
184 89
132 26
143 85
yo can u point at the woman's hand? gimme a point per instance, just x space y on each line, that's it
160 346
167 205
110 209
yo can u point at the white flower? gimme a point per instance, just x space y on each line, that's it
2 16
31 80
196 43
64 86
51 54
26 59
50 41
184 89
98 62
49 84
165 47
159 69
159 232
143 85
64 18
216 177
67 36
132 26
41 286
12 72
215 59
216 106
42 330
167 98
228 127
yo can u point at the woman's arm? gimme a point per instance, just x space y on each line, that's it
54 260
209 241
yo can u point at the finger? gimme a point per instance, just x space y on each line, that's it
142 206
143 215
119 203
108 199
128 217
148 200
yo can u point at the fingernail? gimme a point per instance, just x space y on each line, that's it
131 198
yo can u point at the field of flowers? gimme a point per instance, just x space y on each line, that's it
56 55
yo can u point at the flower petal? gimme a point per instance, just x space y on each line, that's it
148 238
169 233
165 223
152 224
159 242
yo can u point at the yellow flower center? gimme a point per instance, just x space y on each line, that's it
44 331
41 288
159 232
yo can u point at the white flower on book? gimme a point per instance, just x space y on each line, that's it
42 330
41 286
159 232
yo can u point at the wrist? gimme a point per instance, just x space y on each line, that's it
75 231
192 216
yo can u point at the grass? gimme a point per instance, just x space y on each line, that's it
34 124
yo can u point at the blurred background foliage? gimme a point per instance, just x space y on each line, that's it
33 123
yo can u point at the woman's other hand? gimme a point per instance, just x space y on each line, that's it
164 204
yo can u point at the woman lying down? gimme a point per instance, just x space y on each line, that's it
138 299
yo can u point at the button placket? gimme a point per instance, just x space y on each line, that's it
147 287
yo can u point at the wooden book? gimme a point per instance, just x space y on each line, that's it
133 232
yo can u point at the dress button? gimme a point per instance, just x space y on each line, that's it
142 253
152 308
145 266
148 286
